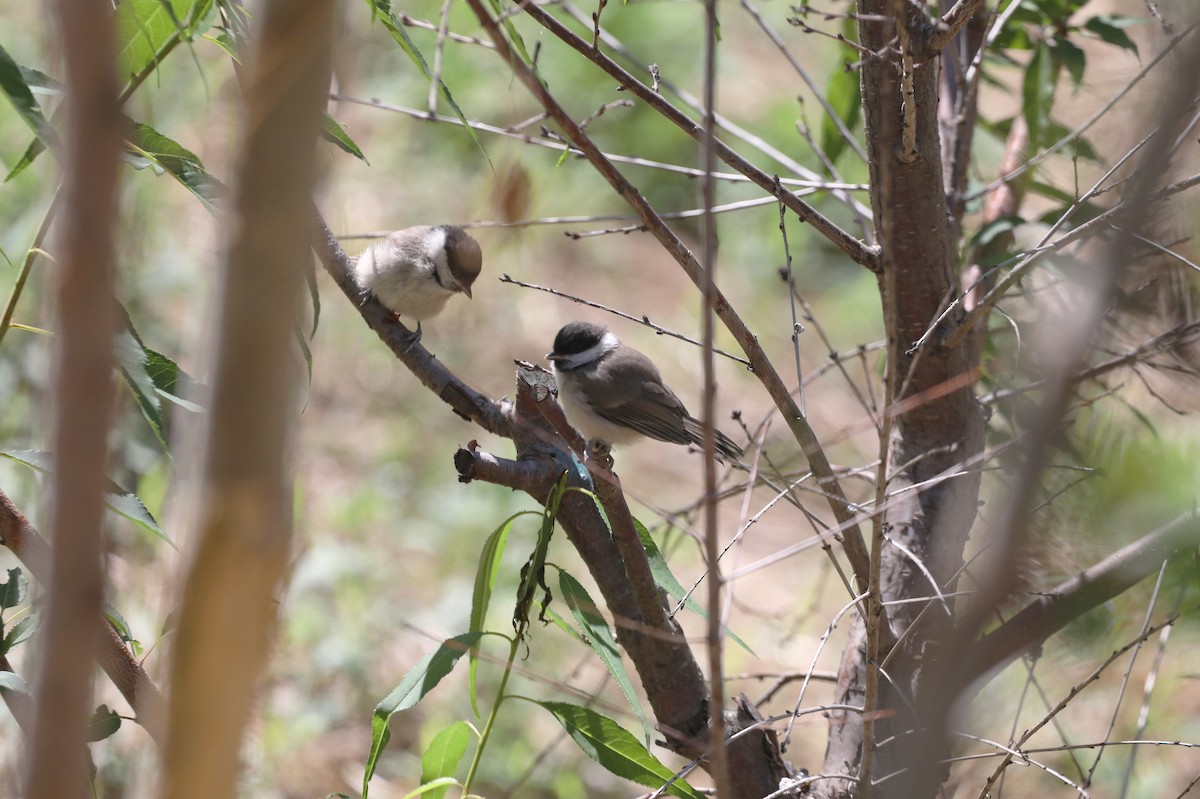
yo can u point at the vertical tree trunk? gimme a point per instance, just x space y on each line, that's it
936 421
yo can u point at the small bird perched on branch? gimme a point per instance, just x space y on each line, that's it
415 271
613 394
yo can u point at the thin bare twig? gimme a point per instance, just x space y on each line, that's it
850 534
642 320
852 247
952 23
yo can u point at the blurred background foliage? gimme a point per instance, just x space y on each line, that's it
387 539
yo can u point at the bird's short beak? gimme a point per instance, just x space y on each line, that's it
550 356
465 290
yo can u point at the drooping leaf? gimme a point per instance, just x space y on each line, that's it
600 638
667 581
844 94
1038 92
25 627
13 83
533 573
420 680
441 758
481 596
13 682
613 747
382 9
131 360
1072 58
151 377
510 29
116 499
1110 28
333 132
104 722
167 155
146 30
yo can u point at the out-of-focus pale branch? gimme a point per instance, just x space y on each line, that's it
82 397
1054 609
242 501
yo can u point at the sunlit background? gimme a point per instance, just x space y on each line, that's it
387 539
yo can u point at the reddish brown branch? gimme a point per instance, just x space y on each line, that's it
462 399
668 671
143 696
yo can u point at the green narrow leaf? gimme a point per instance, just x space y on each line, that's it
172 383
443 755
667 582
34 149
1110 28
12 82
116 499
481 596
1071 57
510 28
558 621
314 295
36 79
333 132
383 12
1038 92
613 747
20 632
13 682
131 360
226 41
120 625
168 156
845 96
14 589
420 680
146 30
308 359
599 636
104 723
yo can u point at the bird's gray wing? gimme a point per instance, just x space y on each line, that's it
648 407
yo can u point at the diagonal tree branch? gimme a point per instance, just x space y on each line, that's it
851 536
852 247
1053 610
33 551
462 399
